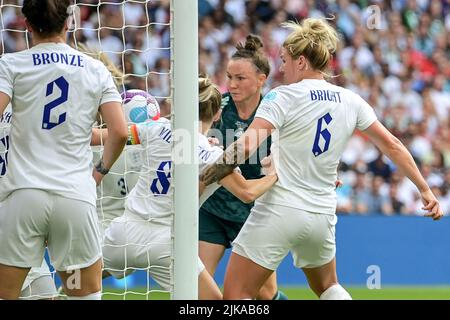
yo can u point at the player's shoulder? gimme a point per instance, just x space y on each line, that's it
280 93
13 58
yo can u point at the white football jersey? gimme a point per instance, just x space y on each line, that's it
207 155
55 94
117 184
152 195
314 120
5 124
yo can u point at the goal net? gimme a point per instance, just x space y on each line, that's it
137 38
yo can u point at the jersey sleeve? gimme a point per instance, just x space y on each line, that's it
109 90
6 76
366 115
274 108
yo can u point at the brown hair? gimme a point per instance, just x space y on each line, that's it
209 99
251 50
314 38
47 17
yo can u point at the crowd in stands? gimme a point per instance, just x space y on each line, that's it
394 53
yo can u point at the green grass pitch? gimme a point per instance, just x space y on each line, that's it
303 293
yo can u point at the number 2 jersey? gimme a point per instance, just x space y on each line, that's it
55 93
152 197
314 120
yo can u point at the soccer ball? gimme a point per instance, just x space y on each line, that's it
139 106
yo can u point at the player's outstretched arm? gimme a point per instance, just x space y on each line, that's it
250 190
396 151
239 151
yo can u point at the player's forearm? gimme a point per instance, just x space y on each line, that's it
235 154
258 187
247 190
114 145
398 153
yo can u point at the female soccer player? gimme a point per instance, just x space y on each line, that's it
223 214
141 238
311 121
49 190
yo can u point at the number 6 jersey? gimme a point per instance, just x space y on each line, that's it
55 94
314 120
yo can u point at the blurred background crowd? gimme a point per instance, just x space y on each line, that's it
395 54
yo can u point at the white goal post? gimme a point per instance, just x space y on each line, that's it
184 61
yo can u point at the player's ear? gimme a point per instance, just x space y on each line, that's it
261 79
28 25
302 63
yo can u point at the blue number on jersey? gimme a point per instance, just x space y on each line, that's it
161 184
123 186
324 134
63 85
4 156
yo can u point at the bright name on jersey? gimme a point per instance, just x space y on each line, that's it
58 57
324 95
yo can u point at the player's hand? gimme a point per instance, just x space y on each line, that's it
232 156
213 141
268 166
97 176
431 204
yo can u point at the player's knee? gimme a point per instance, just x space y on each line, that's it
335 292
91 296
267 292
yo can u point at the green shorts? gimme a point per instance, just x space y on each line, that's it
214 229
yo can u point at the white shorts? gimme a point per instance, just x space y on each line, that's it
131 243
29 217
271 231
39 284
